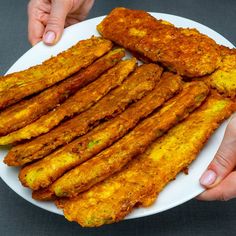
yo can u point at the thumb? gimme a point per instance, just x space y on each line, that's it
225 159
56 21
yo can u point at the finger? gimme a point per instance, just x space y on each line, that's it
44 19
71 21
35 27
84 9
79 12
225 191
225 159
56 21
35 31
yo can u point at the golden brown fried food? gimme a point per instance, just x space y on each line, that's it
16 86
224 79
141 81
29 110
80 101
119 154
104 135
159 95
185 51
134 88
144 177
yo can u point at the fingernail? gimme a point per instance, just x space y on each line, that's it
208 178
49 37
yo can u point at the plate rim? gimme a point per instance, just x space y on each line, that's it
43 205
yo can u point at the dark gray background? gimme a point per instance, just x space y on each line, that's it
18 217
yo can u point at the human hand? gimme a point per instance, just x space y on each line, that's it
220 177
47 18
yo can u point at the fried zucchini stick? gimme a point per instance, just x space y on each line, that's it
119 154
80 101
168 86
144 177
185 51
106 134
27 111
14 87
134 88
224 78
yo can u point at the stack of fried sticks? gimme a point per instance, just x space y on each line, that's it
100 135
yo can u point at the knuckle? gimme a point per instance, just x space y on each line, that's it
54 21
222 160
33 10
67 4
37 14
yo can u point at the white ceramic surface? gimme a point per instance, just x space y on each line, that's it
185 187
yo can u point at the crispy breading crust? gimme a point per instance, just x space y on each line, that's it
14 87
168 78
143 179
185 51
29 110
119 154
107 133
80 101
134 88
224 79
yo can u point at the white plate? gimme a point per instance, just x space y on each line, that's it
185 187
